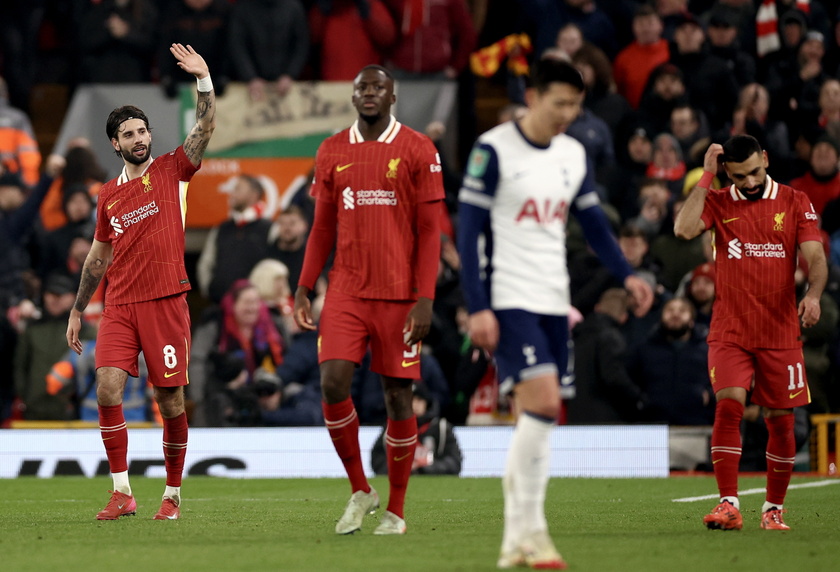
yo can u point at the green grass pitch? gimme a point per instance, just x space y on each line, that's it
454 524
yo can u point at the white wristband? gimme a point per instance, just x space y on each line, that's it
205 84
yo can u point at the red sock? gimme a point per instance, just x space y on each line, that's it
343 425
400 444
726 445
174 448
781 454
114 436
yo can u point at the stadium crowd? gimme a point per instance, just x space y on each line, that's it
664 79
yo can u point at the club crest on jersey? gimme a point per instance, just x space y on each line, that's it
779 219
392 168
147 183
543 213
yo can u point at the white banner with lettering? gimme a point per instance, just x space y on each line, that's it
579 451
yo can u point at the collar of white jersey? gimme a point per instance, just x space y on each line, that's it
387 136
123 178
771 190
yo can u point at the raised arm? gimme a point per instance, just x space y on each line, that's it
205 110
688 223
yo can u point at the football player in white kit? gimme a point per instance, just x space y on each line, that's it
522 180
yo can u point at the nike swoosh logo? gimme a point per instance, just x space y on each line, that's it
112 204
106 438
398 459
775 470
172 517
795 395
120 506
410 363
169 374
728 220
716 461
341 168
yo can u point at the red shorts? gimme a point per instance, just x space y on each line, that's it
780 381
349 324
159 328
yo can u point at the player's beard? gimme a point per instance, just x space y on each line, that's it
754 193
371 119
128 155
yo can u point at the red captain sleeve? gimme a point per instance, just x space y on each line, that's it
428 248
320 242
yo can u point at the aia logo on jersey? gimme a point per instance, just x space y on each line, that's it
542 213
392 168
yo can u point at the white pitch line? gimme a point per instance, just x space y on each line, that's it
757 491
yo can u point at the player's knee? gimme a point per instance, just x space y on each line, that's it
170 400
545 410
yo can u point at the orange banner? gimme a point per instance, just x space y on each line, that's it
207 197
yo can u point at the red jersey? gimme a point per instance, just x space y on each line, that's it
144 219
375 186
756 248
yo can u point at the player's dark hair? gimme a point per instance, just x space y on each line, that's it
122 114
740 148
552 70
379 68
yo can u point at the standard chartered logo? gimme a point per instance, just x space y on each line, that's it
349 202
735 250
115 223
738 250
375 197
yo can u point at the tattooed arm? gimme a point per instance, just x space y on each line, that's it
205 110
96 264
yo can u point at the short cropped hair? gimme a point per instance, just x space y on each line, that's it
740 148
551 70
122 114
379 68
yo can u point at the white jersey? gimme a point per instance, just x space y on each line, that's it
528 191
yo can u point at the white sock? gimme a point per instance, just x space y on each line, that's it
528 459
733 501
768 505
173 493
121 482
510 536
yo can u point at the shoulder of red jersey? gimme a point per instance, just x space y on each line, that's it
342 137
407 133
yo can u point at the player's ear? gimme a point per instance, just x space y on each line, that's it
766 159
530 96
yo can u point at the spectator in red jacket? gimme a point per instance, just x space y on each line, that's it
336 24
822 181
633 64
436 38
